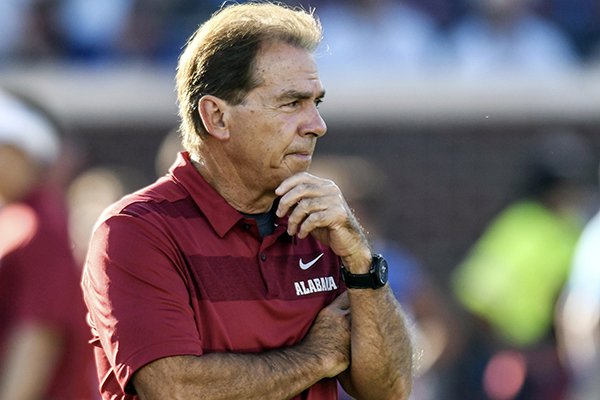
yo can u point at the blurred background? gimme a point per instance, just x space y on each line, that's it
444 114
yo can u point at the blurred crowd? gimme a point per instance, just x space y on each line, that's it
470 36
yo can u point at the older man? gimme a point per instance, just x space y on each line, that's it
226 279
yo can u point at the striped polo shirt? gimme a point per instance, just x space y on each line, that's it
173 269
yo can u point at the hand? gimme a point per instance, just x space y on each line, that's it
330 335
317 206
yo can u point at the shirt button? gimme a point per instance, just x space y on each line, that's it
246 226
263 256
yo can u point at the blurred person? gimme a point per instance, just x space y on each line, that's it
12 23
28 31
169 147
42 39
89 193
156 30
146 31
224 278
512 276
93 30
180 19
43 347
580 20
375 36
578 316
362 183
443 12
508 37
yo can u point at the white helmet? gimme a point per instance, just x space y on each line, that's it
28 130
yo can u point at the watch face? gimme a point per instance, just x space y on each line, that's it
382 271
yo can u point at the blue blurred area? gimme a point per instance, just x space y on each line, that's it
407 32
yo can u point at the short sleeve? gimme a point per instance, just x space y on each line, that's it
137 297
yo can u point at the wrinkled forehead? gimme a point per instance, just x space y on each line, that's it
279 63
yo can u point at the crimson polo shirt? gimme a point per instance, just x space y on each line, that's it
173 269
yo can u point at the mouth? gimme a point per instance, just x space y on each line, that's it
303 155
306 155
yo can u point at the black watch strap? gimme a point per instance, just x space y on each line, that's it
374 279
357 281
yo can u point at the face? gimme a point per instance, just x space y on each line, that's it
17 174
274 131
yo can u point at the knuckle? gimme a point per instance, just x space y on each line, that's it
317 218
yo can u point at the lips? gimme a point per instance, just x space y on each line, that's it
302 155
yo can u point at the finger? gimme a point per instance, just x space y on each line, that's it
295 195
290 200
302 210
329 218
292 182
312 222
321 189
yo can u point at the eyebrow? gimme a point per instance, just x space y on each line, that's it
298 95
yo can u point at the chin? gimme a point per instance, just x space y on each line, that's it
297 166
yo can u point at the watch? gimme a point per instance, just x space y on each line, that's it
374 279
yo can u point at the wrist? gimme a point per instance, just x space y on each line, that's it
376 278
359 262
323 363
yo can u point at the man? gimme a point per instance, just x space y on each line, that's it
44 352
223 279
578 315
511 278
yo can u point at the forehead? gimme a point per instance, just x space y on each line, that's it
281 67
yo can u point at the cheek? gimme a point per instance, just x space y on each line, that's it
17 175
267 138
272 153
278 148
274 143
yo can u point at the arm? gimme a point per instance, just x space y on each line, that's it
381 362
276 374
577 325
30 362
381 353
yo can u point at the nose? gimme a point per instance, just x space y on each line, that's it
315 125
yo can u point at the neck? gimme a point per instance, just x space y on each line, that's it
242 196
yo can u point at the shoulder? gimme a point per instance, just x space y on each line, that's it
162 198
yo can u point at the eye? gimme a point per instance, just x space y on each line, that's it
318 102
292 104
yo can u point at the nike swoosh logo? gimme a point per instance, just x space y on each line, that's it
309 264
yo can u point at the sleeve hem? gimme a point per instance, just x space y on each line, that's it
124 371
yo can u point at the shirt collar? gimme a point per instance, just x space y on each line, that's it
218 212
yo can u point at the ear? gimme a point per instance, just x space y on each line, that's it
212 110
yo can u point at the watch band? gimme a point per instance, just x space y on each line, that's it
374 279
357 281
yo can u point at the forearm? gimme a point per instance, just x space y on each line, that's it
381 353
278 374
381 365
